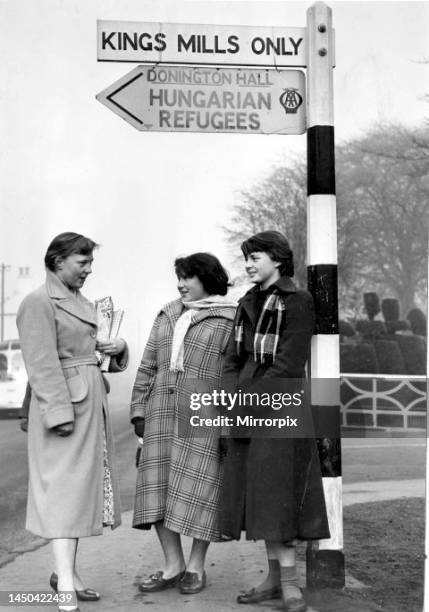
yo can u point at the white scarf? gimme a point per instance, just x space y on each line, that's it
184 322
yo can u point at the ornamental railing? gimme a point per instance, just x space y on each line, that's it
383 401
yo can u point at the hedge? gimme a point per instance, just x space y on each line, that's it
389 357
358 358
370 329
414 354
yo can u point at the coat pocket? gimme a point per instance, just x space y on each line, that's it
78 388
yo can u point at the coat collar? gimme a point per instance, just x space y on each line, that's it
173 310
76 305
248 301
285 284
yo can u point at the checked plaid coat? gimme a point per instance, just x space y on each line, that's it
179 476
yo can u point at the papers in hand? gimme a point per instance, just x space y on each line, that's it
108 322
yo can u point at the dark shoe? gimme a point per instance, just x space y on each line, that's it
156 582
254 596
191 583
87 595
294 604
84 595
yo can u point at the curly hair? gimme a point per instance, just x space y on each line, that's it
207 268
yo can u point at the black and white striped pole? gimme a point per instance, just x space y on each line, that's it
325 558
426 575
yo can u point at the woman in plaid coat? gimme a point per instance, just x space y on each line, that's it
179 472
272 487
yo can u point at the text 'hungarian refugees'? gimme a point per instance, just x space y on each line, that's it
170 98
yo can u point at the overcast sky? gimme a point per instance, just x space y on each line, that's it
69 163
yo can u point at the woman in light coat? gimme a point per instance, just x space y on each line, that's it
73 488
179 474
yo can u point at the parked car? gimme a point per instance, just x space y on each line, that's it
13 378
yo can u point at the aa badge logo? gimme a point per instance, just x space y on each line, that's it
291 100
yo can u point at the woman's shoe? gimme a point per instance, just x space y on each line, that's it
255 596
156 582
294 604
84 595
191 583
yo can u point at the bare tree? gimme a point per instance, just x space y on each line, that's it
382 214
406 148
277 203
380 186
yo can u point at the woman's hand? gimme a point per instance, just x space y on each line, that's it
64 430
112 347
138 423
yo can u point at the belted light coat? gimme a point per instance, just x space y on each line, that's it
58 330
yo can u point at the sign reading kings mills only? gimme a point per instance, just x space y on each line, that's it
204 99
209 44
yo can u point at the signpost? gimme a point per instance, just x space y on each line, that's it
180 43
325 558
165 97
181 99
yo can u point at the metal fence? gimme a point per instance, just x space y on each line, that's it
383 401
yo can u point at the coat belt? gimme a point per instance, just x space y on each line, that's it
72 362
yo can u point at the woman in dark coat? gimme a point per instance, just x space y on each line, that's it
179 474
272 487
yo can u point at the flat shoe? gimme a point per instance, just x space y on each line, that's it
254 596
83 595
87 595
156 582
191 583
294 604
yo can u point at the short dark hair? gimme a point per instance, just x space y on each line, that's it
275 245
66 244
207 268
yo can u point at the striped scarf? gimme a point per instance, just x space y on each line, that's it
267 332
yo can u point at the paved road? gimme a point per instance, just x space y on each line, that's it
387 459
13 479
13 452
383 459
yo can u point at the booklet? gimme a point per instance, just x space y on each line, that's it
109 321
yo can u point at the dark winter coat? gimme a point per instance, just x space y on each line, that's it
273 487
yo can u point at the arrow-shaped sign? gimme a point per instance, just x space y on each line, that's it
248 101
124 95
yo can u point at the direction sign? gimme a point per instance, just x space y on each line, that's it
177 43
184 99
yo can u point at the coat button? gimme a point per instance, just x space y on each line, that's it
93 334
171 390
